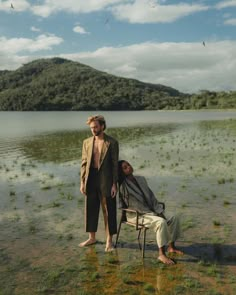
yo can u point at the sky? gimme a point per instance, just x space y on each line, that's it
187 45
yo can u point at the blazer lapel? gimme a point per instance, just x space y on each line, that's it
105 147
90 151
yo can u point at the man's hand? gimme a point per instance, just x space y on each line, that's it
113 190
82 189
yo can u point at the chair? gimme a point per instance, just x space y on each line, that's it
137 225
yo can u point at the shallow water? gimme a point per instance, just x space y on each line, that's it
189 164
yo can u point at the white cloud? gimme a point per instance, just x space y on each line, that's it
230 21
17 45
42 10
19 5
226 4
80 30
48 7
142 11
74 6
188 67
12 50
134 11
34 29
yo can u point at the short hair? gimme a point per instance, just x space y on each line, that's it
98 118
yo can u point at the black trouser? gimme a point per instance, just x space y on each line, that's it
93 200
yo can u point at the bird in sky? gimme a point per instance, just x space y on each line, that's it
12 6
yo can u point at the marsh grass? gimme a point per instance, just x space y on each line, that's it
66 196
54 279
216 223
12 193
148 288
113 260
54 204
226 203
187 223
27 197
185 153
46 187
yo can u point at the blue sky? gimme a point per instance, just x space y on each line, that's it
157 41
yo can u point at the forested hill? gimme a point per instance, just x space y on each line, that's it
60 84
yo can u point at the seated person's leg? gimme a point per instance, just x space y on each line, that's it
159 225
174 229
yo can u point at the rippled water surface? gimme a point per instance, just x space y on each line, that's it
189 160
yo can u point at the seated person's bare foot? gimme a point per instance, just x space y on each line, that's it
87 242
174 250
164 259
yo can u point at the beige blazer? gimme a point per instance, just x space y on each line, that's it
108 164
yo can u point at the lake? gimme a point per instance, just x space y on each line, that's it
188 158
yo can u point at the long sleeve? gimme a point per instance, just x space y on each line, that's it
123 197
83 163
155 205
142 197
158 208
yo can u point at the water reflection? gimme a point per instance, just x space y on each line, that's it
66 146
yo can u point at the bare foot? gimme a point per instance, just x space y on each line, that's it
175 250
87 243
164 259
109 247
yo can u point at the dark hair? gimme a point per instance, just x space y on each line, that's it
121 175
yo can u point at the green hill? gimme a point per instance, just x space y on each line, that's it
60 84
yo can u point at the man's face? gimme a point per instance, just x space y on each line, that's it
96 128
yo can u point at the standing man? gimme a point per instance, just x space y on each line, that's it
99 175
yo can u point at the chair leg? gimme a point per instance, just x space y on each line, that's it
118 233
144 242
139 233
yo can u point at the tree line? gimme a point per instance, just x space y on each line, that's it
60 84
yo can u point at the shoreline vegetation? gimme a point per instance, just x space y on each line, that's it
58 84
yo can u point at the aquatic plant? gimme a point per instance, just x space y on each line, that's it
149 288
226 203
27 197
221 181
46 187
216 222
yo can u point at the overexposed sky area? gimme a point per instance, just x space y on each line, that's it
188 45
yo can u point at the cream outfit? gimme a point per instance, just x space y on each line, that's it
138 196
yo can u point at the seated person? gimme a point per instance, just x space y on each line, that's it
135 194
